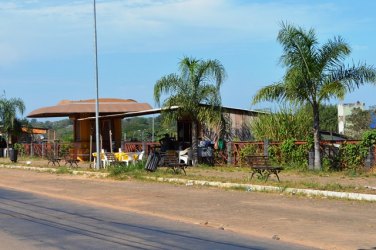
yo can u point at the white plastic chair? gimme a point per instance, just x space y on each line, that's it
125 158
185 155
109 158
141 156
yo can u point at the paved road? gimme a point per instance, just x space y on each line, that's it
36 222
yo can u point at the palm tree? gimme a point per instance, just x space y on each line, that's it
8 112
314 74
199 83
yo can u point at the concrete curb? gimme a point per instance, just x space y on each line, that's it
250 188
246 187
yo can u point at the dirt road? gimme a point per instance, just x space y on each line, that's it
317 222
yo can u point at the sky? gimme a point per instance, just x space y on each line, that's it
47 46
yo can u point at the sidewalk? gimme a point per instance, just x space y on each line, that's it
317 222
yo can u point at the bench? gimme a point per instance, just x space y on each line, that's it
71 159
260 164
53 160
171 161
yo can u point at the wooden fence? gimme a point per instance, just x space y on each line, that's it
231 155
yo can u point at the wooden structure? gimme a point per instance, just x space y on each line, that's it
171 161
260 165
110 112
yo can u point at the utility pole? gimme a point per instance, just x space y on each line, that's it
98 161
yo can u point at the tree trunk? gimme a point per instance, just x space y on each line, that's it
7 142
316 137
194 144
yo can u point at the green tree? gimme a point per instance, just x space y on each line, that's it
328 118
358 122
196 90
314 74
8 115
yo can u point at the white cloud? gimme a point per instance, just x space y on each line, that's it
38 29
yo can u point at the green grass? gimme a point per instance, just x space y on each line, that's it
63 170
120 170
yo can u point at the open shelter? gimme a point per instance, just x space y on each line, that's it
84 129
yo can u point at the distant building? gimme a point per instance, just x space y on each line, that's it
344 110
373 116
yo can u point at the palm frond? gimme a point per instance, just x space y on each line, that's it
331 89
166 85
274 92
187 67
354 76
299 47
332 53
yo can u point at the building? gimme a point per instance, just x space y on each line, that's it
344 110
84 133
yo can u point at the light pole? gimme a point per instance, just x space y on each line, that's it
98 161
152 130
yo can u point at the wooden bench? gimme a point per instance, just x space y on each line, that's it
71 160
260 164
53 160
171 161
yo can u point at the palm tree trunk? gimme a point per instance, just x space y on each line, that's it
7 141
316 137
194 143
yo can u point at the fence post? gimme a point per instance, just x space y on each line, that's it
31 149
43 149
266 147
370 159
311 159
229 153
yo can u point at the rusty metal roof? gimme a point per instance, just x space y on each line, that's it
87 107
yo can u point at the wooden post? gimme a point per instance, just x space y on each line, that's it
90 150
266 147
110 133
31 149
43 148
369 161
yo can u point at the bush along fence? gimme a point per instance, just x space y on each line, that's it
350 155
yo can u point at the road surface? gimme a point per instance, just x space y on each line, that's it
37 222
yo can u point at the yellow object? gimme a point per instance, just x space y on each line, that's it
135 157
95 155
124 157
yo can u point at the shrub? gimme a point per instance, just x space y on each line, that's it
64 149
292 155
20 148
248 150
118 169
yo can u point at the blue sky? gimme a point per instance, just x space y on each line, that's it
47 48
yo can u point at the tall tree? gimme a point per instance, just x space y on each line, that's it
198 83
358 122
8 114
314 74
